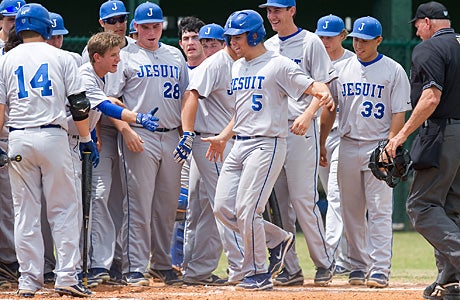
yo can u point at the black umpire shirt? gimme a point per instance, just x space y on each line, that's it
436 62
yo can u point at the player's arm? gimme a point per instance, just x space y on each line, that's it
321 97
79 108
2 115
131 139
425 107
217 143
326 121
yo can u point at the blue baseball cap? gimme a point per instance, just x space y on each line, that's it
148 13
329 26
132 29
212 31
366 28
112 8
278 3
58 24
9 8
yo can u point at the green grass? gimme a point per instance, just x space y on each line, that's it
413 259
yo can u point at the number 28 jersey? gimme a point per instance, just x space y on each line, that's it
368 95
35 80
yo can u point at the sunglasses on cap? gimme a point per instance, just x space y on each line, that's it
115 20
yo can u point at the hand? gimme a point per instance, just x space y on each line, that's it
132 140
301 124
326 100
216 148
90 147
184 147
148 121
3 158
323 156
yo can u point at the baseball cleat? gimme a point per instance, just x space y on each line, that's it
257 282
339 270
357 278
26 293
135 279
169 277
323 276
286 279
377 280
77 290
212 280
278 254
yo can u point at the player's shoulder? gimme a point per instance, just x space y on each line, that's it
272 41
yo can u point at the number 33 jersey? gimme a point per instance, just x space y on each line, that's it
368 95
35 80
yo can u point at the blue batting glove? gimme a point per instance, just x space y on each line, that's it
148 121
184 148
90 147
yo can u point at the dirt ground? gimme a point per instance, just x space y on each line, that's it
338 289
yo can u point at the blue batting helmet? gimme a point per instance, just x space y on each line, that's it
58 24
211 31
9 8
148 13
247 21
34 17
132 29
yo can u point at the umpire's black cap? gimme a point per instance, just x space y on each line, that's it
431 10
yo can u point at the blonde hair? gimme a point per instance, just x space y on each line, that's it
102 42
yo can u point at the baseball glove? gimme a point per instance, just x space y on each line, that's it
391 170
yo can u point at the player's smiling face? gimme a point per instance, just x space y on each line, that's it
239 44
280 18
191 45
118 28
109 61
366 50
149 35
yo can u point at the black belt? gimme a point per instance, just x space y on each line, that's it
165 129
453 121
245 138
199 133
43 126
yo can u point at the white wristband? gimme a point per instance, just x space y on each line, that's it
85 139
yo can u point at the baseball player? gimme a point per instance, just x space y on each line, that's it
56 40
373 99
46 81
298 177
206 110
107 195
8 262
261 83
211 38
331 30
9 8
151 74
132 30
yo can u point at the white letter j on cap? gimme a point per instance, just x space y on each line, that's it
325 25
362 26
150 12
114 6
208 31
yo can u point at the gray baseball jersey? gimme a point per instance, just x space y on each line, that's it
148 79
370 94
301 167
35 91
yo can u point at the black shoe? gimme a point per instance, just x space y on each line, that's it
77 290
448 291
135 279
357 278
49 277
211 280
377 280
286 279
9 272
323 276
26 294
98 275
278 254
169 277
339 270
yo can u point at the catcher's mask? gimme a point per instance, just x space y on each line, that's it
391 170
